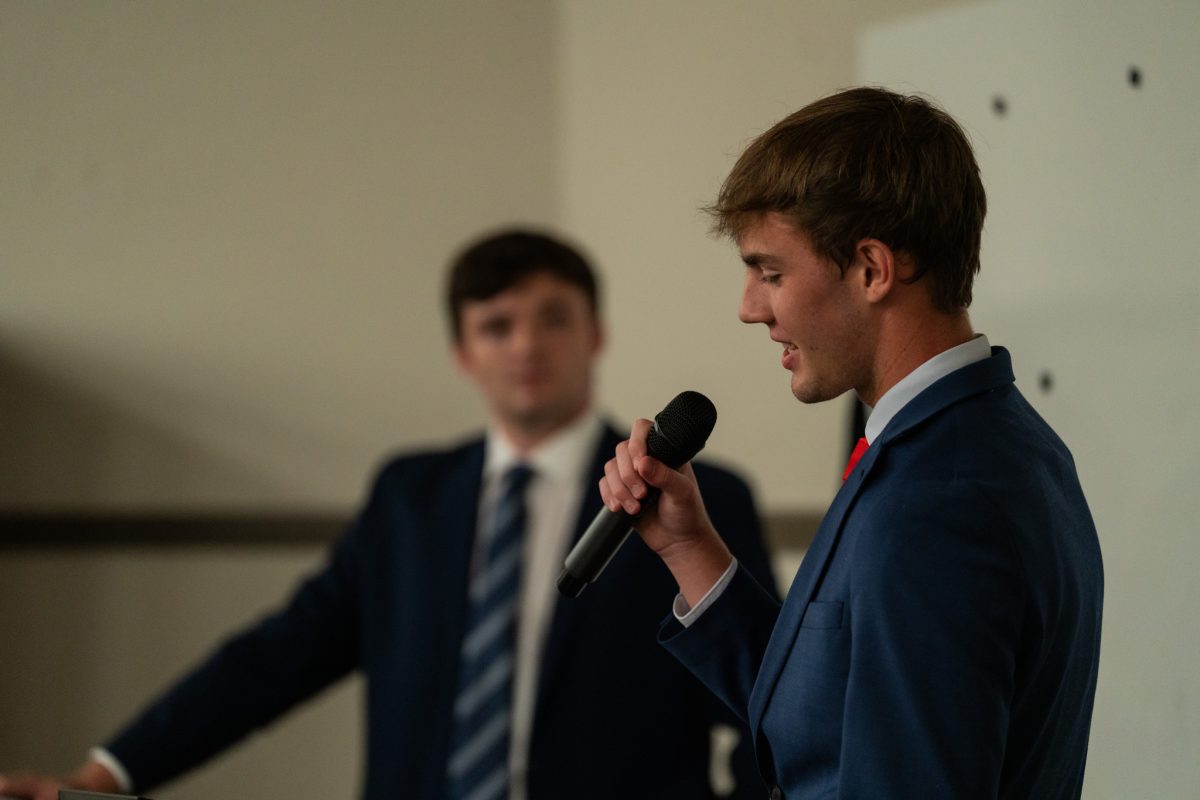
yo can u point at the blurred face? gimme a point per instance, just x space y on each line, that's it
811 310
530 350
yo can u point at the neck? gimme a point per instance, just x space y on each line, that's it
911 345
526 435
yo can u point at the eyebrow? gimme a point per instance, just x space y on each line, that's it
757 260
493 319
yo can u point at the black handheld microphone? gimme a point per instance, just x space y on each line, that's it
680 431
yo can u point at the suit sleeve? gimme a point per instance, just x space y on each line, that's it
724 647
731 506
253 677
936 614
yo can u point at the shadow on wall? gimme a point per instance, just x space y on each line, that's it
92 628
65 446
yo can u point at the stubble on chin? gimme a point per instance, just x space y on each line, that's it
813 392
808 397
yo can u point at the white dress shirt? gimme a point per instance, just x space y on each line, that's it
894 399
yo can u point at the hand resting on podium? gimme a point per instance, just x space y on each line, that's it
92 777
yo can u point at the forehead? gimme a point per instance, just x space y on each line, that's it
774 241
541 290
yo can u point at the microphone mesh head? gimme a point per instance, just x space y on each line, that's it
681 429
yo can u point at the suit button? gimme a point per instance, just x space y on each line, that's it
776 793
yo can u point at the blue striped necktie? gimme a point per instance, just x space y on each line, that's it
479 739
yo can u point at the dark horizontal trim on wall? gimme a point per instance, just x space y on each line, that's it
791 530
167 529
177 529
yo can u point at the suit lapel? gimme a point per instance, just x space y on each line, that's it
455 516
991 373
802 589
566 611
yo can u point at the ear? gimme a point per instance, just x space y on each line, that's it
877 271
599 337
462 359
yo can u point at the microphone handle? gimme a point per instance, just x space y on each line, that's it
599 544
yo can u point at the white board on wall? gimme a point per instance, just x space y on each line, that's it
1085 118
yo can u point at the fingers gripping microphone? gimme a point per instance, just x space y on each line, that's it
680 431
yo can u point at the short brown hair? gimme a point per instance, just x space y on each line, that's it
501 260
867 162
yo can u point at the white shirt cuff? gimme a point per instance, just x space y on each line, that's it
686 614
110 763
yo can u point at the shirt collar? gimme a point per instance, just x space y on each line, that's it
921 378
563 457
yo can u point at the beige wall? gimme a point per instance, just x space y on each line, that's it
89 636
224 226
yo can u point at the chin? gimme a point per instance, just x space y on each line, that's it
536 415
809 394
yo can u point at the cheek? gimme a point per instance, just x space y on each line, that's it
793 316
572 346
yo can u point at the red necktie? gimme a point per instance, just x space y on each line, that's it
859 449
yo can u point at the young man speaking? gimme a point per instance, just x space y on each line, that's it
942 636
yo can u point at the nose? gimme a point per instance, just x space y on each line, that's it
527 339
753 308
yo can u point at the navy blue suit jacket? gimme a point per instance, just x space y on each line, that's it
941 637
615 717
